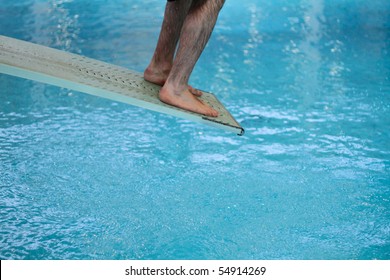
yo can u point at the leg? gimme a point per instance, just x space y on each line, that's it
161 63
195 34
158 70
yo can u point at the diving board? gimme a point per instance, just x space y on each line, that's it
55 67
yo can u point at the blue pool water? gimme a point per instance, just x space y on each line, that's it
87 178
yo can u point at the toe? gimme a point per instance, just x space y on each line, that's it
212 113
194 91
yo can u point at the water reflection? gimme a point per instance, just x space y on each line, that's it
305 54
54 24
255 38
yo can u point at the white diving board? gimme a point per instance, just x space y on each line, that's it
79 73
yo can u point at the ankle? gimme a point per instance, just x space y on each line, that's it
175 85
163 67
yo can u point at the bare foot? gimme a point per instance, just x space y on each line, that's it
159 77
155 76
184 99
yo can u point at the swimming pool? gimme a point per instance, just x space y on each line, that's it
87 178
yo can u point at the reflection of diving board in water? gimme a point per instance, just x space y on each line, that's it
55 67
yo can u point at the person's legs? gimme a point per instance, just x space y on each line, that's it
195 34
158 70
162 60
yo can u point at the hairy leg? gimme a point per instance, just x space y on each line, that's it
158 70
162 60
195 34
